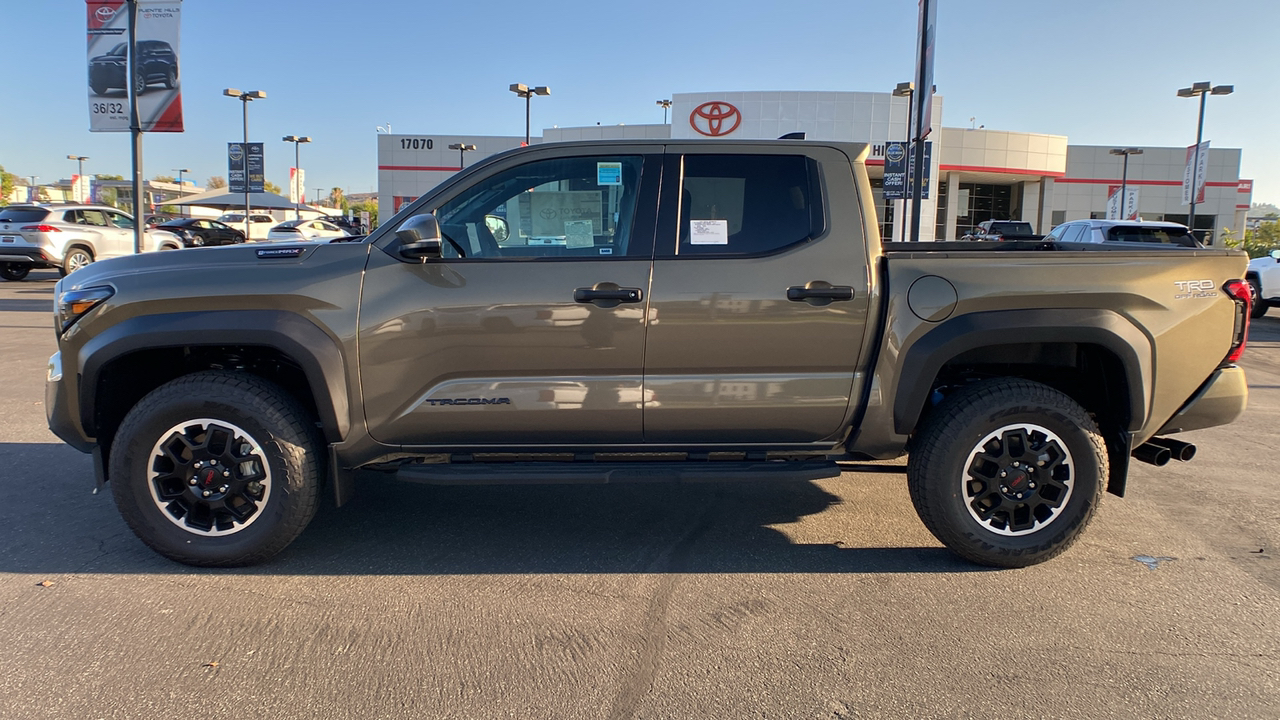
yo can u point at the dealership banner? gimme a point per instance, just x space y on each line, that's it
927 174
895 170
155 57
244 162
1130 202
297 185
1200 173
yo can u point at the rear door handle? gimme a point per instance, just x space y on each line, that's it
608 294
819 291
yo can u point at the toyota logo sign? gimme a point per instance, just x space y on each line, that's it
714 119
104 14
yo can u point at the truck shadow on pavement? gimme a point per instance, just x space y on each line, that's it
51 523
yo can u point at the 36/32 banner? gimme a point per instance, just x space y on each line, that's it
156 81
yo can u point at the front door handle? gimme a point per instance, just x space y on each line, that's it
819 293
607 294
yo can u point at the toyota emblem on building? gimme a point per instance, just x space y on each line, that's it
714 119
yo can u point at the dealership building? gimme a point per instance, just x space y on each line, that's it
975 174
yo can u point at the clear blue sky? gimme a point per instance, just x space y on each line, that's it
1098 71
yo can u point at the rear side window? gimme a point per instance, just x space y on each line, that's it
1169 236
1074 233
742 205
19 214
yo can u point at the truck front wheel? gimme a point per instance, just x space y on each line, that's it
1007 473
216 469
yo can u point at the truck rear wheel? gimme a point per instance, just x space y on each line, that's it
216 469
1007 473
14 272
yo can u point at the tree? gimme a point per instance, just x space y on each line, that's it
370 207
215 182
270 187
336 199
103 176
164 179
107 196
8 182
1258 243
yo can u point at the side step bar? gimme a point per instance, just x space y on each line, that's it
555 473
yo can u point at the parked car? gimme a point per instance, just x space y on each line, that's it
306 230
1264 282
1003 231
66 237
157 63
154 220
742 322
200 232
353 227
260 224
1142 231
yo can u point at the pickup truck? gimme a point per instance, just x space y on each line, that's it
1003 231
654 311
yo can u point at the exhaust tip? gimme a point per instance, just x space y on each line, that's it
1153 454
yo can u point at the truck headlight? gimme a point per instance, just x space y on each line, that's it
73 304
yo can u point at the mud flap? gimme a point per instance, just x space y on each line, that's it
99 469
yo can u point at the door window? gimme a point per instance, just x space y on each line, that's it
121 221
576 207
1073 233
97 218
743 205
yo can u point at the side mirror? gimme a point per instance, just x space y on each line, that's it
1276 254
498 226
420 237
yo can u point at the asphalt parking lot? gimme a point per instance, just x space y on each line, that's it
779 600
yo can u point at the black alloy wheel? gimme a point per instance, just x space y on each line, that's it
1007 472
1259 307
217 469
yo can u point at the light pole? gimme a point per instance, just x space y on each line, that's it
666 105
1203 90
1124 178
297 173
180 186
462 149
526 92
75 190
245 99
905 90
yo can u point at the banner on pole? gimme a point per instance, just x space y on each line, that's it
155 57
1200 173
244 164
1130 203
297 185
895 170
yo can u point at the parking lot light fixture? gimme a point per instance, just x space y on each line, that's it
1203 90
462 149
1124 175
666 105
79 174
526 92
297 172
245 98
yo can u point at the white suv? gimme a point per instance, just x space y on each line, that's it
66 237
1264 280
260 224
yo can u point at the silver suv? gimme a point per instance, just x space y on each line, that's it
1108 231
67 237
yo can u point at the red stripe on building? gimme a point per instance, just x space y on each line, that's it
1243 207
1009 171
419 167
1116 181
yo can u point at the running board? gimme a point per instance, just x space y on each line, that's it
552 473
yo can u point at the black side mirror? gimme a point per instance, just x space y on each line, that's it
420 236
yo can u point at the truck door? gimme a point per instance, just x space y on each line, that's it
531 329
759 298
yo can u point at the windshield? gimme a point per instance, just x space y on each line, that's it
1012 228
231 218
1167 235
119 50
19 214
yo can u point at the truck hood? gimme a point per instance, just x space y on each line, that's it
1259 264
198 264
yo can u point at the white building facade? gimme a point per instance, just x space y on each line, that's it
975 174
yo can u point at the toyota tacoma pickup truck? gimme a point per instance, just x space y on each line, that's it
641 311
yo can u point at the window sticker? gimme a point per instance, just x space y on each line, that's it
608 173
606 251
578 233
709 232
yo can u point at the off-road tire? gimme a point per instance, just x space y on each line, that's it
269 417
949 457
14 272
76 258
171 78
